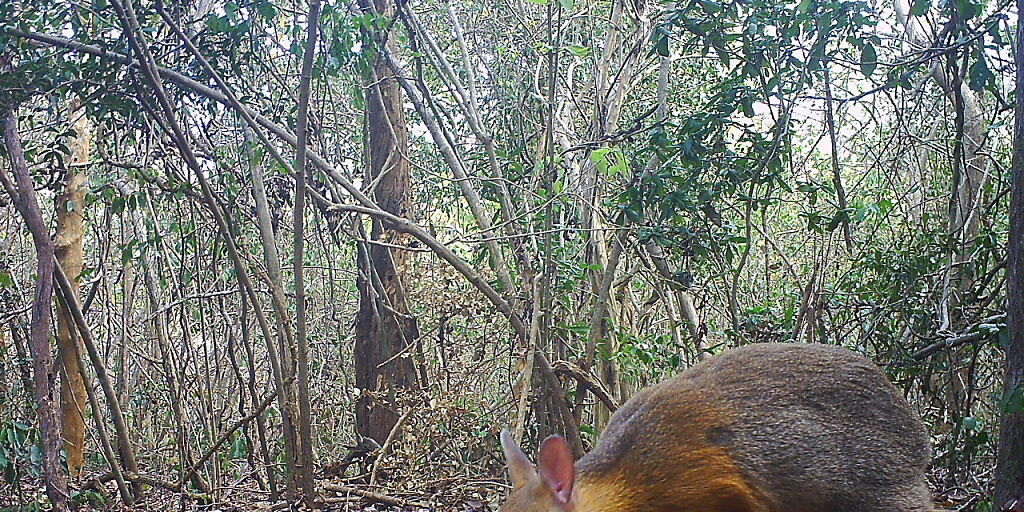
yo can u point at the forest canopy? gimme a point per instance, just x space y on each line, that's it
277 250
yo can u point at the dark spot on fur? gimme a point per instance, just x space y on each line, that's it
721 436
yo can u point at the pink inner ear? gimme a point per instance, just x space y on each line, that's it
556 467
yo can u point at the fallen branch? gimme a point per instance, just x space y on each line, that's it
373 496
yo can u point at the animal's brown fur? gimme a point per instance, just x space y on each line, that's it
764 428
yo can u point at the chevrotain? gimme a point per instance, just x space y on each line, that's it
762 428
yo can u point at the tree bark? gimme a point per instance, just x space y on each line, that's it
1010 462
68 247
384 326
44 374
85 339
305 428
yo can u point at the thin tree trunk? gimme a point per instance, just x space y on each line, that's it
305 428
261 427
68 247
272 260
598 317
526 378
24 197
837 176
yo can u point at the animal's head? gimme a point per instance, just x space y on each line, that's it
546 488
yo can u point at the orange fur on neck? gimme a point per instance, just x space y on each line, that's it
683 476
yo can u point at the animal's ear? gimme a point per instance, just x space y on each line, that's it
556 468
519 466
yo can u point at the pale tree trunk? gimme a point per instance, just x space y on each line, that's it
44 374
272 261
1010 466
70 205
282 327
384 326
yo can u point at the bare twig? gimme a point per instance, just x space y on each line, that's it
373 496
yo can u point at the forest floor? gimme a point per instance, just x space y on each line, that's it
454 496
420 494
457 497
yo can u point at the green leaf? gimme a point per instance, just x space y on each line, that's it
967 8
566 4
538 2
662 47
868 60
711 7
723 54
217 24
267 10
920 7
839 218
979 74
610 161
239 448
579 51
660 38
597 155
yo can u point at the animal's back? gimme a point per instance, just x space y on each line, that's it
809 427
